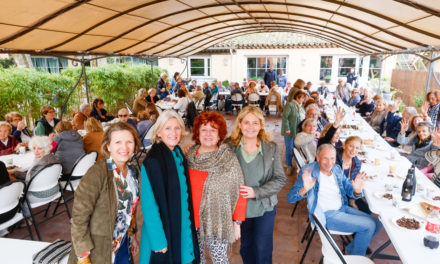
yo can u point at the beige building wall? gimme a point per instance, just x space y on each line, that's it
301 63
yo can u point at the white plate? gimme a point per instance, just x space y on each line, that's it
421 225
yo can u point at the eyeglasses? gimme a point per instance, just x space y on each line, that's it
122 115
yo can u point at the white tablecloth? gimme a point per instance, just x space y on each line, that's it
225 93
23 161
165 105
19 251
408 243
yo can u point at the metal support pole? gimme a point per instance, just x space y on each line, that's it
83 66
63 110
187 71
152 72
431 69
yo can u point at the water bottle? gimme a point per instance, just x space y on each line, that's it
432 229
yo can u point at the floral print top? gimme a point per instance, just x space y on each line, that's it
127 189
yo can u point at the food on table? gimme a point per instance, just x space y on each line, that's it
368 142
11 167
355 127
409 223
390 175
388 196
436 198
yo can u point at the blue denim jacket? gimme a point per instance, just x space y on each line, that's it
345 187
282 81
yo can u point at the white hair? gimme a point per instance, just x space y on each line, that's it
43 142
163 74
83 107
325 146
411 110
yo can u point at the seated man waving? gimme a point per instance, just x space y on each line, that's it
326 189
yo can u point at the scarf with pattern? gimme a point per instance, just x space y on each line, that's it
220 191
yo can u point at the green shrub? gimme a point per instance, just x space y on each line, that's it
419 99
26 90
7 63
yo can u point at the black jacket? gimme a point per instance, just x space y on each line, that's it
156 98
104 118
162 173
160 84
269 76
47 128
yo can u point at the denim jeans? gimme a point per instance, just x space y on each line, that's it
122 256
257 239
290 143
348 219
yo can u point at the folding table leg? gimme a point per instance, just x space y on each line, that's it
378 255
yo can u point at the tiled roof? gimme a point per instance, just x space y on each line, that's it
274 40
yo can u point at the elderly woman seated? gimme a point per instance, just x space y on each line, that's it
143 126
40 146
306 140
19 129
421 143
46 124
69 145
355 98
8 143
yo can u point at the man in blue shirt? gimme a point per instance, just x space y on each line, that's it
282 80
326 188
269 76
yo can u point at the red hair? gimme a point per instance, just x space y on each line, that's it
215 119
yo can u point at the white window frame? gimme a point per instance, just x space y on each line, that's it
337 58
207 69
267 56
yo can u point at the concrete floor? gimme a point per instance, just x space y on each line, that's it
287 234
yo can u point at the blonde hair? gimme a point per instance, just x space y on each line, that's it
63 126
10 116
140 91
236 134
106 139
93 125
161 122
6 124
353 138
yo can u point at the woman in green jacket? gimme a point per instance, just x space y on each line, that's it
104 211
293 114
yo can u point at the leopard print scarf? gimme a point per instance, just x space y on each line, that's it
220 191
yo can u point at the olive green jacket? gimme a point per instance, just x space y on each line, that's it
292 115
94 214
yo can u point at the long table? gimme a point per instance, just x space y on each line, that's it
408 243
22 161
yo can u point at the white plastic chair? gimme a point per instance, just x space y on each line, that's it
44 180
237 101
253 99
130 111
79 169
213 106
10 195
331 252
300 161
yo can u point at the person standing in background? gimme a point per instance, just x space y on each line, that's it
269 76
282 80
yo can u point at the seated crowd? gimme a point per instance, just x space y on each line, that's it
225 189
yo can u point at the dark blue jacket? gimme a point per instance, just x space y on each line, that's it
269 76
365 108
356 165
392 127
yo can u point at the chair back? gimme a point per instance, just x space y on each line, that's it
254 97
150 132
237 97
10 194
273 98
130 111
330 251
84 163
214 97
300 161
46 178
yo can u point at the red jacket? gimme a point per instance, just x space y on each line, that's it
10 146
197 179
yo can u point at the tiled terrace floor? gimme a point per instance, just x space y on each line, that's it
287 234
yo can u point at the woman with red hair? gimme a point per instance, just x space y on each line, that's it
215 177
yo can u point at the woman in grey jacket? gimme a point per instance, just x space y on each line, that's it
421 143
69 145
264 177
307 139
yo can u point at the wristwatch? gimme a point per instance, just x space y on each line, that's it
238 222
